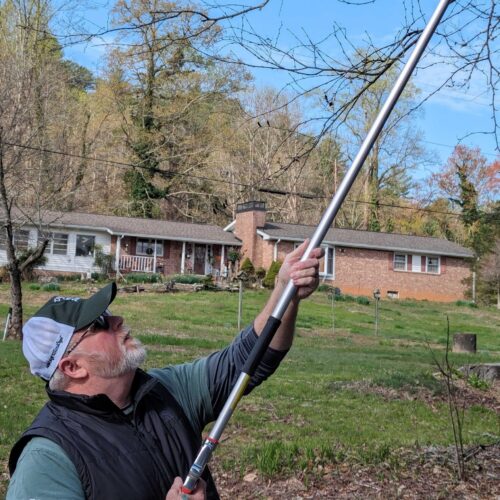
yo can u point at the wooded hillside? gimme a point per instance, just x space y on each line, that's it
172 126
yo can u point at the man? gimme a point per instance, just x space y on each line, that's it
110 430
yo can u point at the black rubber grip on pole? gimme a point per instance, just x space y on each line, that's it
261 345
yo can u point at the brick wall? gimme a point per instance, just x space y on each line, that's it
359 272
245 229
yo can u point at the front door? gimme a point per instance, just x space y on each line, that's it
199 259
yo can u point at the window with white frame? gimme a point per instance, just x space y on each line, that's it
327 263
59 244
420 264
147 247
433 265
21 239
400 261
85 244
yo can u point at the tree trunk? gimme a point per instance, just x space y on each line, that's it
16 322
16 298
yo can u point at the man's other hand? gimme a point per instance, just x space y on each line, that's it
175 493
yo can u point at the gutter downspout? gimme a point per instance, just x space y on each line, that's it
275 250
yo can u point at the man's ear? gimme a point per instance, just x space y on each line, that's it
72 367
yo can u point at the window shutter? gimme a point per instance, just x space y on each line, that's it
423 263
390 256
443 264
409 263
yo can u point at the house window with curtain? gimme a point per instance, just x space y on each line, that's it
419 263
147 247
85 245
433 265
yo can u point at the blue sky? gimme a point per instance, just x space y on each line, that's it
448 116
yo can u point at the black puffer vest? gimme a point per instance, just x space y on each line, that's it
135 457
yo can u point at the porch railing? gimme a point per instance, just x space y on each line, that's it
136 263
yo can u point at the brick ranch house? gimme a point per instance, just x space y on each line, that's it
358 262
138 245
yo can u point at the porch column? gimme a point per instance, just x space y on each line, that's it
192 257
183 257
154 258
206 259
117 253
222 259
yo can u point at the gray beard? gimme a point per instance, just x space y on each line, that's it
132 357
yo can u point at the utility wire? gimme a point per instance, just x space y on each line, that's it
171 175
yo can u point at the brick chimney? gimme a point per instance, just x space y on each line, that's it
250 216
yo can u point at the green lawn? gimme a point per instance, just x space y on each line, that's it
342 393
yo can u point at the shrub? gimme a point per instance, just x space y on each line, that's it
188 279
98 276
67 277
233 256
247 267
477 382
34 286
465 303
363 300
51 287
143 278
28 272
345 298
271 274
208 282
103 260
260 273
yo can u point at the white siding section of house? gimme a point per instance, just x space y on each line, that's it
69 262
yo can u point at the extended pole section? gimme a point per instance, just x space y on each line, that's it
274 320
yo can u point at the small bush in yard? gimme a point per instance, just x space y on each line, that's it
465 303
260 273
363 300
143 278
51 287
477 382
248 267
273 271
188 279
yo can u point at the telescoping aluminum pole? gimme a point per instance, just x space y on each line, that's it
274 320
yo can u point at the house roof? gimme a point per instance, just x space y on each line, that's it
366 239
147 228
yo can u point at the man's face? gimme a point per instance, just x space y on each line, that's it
111 352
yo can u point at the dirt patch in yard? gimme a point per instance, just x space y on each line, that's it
427 474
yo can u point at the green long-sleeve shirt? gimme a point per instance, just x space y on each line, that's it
44 471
